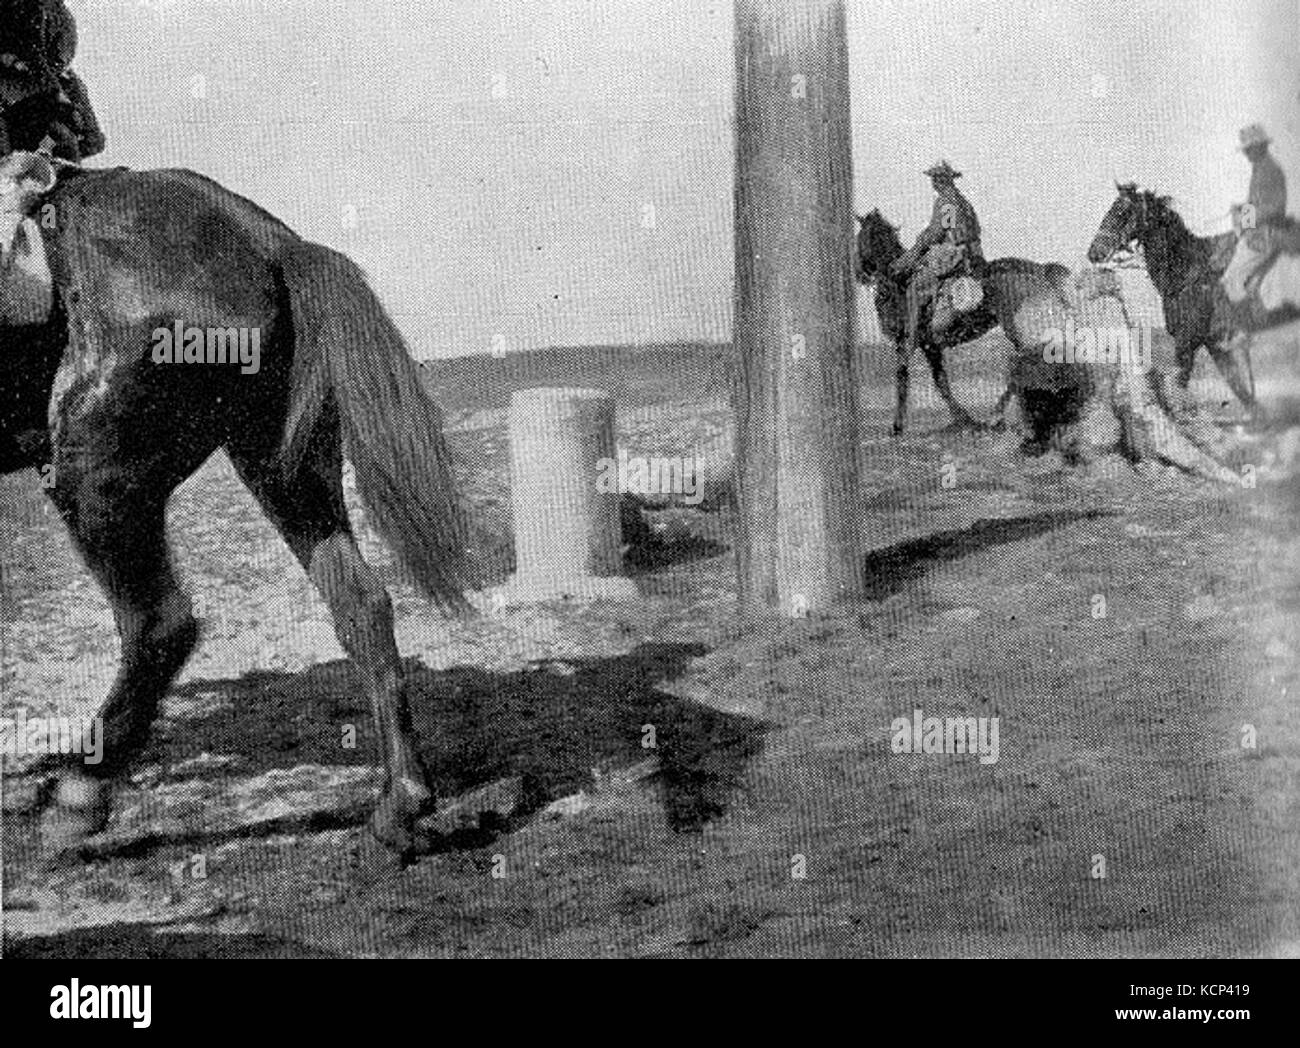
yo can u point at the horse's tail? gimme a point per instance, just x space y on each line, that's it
350 359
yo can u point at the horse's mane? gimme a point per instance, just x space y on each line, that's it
877 222
1160 206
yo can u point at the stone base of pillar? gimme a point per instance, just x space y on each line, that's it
568 539
539 590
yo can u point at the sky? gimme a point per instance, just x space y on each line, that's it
521 173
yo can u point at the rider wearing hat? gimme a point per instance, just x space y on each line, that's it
42 101
948 245
1267 193
1263 215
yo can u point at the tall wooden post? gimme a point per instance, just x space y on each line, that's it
797 431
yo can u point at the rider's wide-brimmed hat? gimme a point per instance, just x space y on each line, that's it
942 169
1254 135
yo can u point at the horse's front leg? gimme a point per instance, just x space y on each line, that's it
915 302
902 351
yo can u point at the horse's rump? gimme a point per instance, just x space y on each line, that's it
136 253
1279 287
146 263
1265 268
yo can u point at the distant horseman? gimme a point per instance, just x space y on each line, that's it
949 246
1262 219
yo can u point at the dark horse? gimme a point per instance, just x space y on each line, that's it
1197 311
1007 281
134 253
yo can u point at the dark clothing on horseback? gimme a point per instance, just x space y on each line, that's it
948 246
1261 237
953 221
40 96
1267 193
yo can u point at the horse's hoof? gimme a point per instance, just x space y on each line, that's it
78 809
897 429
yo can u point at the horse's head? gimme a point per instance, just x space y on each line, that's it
878 246
1134 212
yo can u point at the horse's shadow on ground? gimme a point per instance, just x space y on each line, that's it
553 726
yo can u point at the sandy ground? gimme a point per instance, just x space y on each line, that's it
771 815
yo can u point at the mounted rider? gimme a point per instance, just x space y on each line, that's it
1262 220
45 116
948 247
43 103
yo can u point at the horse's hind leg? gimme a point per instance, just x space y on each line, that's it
1233 361
117 521
363 622
1000 410
934 355
309 512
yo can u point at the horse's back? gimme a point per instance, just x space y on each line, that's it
1016 280
122 236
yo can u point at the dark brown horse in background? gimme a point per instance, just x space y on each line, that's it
1197 310
1007 283
134 252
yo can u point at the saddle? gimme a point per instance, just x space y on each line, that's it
26 283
